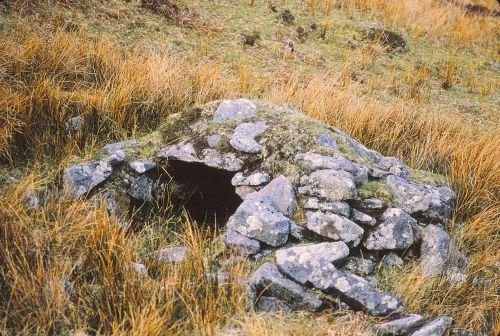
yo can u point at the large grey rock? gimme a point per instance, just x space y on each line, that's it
329 184
440 255
241 244
337 207
352 290
173 254
312 162
254 179
261 221
227 161
267 281
243 138
183 151
142 166
279 194
432 202
400 326
436 327
356 147
83 178
394 233
335 227
301 261
234 109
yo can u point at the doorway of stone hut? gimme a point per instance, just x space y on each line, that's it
204 192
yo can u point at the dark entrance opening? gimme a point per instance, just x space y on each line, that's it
206 193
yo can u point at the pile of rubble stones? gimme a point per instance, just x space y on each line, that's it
326 209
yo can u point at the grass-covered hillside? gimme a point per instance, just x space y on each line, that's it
419 80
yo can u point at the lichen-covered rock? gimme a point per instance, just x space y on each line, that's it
34 198
259 220
440 255
183 151
312 162
279 194
142 166
234 109
436 327
81 179
352 290
334 227
337 207
241 244
228 161
394 233
116 158
432 202
301 261
254 179
243 138
332 185
400 326
267 281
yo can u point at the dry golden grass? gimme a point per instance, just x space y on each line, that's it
434 18
44 80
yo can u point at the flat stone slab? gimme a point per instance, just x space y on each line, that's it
243 138
268 281
254 179
234 109
400 326
394 233
241 244
258 220
83 178
440 255
329 184
304 260
334 227
142 166
436 327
